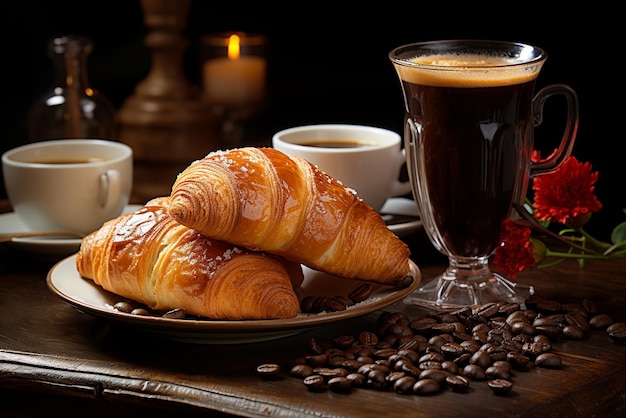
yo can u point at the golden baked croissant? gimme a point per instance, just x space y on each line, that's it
262 199
148 257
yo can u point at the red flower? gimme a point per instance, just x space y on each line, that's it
566 195
516 252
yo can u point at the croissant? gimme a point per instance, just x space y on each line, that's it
148 257
263 199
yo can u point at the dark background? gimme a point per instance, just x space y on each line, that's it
330 65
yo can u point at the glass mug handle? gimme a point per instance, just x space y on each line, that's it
571 127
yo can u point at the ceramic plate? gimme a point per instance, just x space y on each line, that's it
64 280
46 246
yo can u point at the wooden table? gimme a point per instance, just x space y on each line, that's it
54 359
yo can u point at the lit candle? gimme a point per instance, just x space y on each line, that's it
235 79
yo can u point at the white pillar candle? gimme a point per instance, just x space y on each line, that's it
234 79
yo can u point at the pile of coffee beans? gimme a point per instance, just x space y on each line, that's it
449 350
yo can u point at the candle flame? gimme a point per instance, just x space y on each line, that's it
233 47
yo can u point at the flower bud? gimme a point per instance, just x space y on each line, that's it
579 221
538 249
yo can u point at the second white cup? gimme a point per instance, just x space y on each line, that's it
365 158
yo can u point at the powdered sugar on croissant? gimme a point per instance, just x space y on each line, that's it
261 198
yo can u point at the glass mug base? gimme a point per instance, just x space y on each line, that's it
448 292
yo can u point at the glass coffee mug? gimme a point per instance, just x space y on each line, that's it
469 134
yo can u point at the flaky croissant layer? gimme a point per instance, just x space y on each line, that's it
262 199
149 257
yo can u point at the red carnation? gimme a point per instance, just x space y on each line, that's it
516 252
566 195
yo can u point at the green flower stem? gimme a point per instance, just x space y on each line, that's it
593 241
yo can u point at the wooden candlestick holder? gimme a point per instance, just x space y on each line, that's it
165 121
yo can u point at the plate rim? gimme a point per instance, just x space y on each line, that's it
227 327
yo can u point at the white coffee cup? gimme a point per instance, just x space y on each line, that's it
365 158
68 184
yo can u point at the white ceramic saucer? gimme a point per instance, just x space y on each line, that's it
45 246
401 215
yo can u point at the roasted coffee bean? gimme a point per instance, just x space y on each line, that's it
404 385
268 370
481 358
590 307
503 364
403 282
534 349
140 311
328 372
488 310
368 338
511 345
474 372
357 379
549 360
335 361
314 383
516 316
522 327
423 325
463 359
600 321
551 330
443 328
301 371
458 383
377 376
451 350
344 299
177 313
313 346
316 360
497 372
411 370
414 343
340 384
470 346
399 329
410 354
351 364
385 353
361 293
123 306
393 376
517 360
434 357
450 366
500 386
344 341
577 319
573 332
481 328
617 332
426 387
333 305
424 365
438 375
307 304
509 308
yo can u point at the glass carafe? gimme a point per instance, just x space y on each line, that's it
71 109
